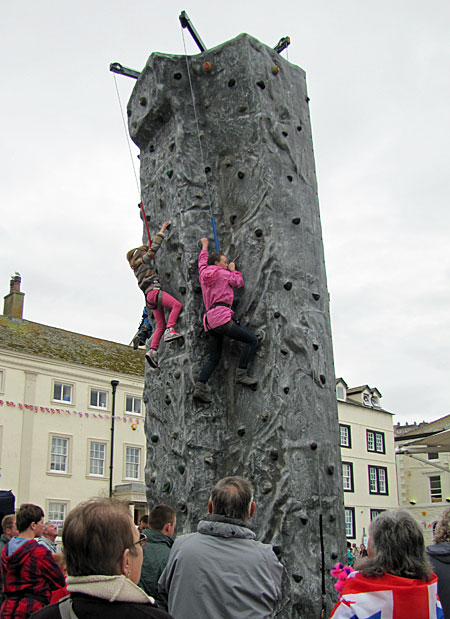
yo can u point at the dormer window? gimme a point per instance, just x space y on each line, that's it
366 399
340 392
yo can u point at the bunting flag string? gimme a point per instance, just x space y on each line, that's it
134 421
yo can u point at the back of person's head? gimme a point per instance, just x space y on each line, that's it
95 535
442 533
232 497
134 256
8 522
214 257
27 514
396 546
143 519
160 515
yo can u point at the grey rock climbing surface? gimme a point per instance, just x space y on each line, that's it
255 132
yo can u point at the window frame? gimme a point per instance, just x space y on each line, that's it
376 434
349 429
2 380
352 485
68 470
60 522
99 391
375 512
378 469
63 384
91 442
133 398
434 477
138 448
340 387
350 510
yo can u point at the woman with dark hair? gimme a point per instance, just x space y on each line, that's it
439 554
396 579
218 278
103 553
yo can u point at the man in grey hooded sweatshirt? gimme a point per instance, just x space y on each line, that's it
221 570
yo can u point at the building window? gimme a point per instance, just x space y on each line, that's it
56 512
375 441
2 374
347 476
132 462
345 435
436 489
433 456
97 459
340 392
375 401
98 399
350 527
59 454
133 405
375 512
378 483
62 392
366 399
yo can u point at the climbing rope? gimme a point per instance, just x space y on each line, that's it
208 195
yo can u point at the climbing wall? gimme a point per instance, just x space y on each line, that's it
258 161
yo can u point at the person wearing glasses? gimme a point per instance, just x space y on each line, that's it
103 553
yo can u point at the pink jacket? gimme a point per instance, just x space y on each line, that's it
217 287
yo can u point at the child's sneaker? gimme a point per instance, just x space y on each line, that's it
171 334
152 358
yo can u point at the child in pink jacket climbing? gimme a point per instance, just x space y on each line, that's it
142 261
218 278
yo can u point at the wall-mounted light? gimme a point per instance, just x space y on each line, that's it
448 500
412 502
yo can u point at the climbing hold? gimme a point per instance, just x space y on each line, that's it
316 346
299 127
181 505
169 173
143 101
331 517
207 67
274 454
290 178
334 556
241 175
242 108
182 289
267 487
232 219
264 416
283 351
208 460
241 431
313 446
171 146
207 103
296 220
323 380
174 435
197 289
232 83
181 468
286 390
177 374
153 478
207 170
177 76
287 286
134 124
304 520
275 69
228 163
330 469
166 487
128 113
307 99
276 314
167 399
277 550
284 133
151 148
261 84
258 232
297 577
154 438
316 296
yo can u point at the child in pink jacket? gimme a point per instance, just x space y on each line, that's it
218 278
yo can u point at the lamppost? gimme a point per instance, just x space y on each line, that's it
114 384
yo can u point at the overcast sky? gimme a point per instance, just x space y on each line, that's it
378 78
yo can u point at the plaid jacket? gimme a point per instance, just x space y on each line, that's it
31 570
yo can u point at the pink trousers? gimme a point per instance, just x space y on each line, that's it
166 301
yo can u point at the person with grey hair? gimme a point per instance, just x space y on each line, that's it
396 579
439 555
221 570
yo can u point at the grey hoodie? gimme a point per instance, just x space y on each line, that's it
439 555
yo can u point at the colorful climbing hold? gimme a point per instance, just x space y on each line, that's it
231 83
296 221
258 232
275 69
181 468
169 173
241 175
154 438
297 577
261 84
143 101
313 445
241 431
316 296
288 286
166 487
207 67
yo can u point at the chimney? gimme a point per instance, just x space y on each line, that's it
13 305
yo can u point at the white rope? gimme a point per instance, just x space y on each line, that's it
127 137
